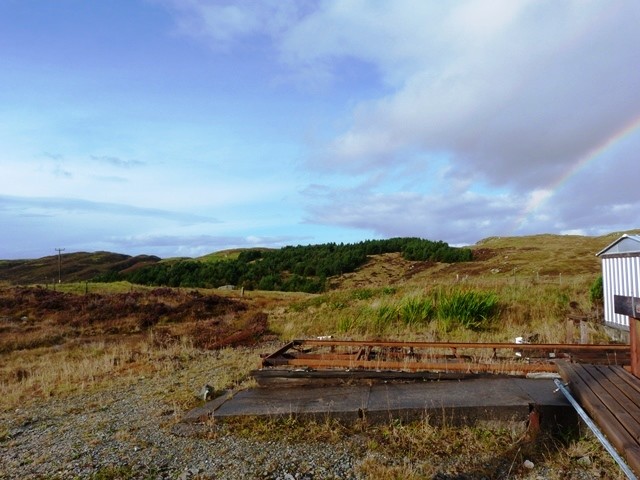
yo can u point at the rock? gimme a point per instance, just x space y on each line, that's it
189 473
584 461
528 464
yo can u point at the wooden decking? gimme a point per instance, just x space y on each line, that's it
611 397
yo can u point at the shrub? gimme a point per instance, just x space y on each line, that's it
385 316
416 311
469 309
596 291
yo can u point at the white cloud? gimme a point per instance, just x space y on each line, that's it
513 93
500 84
186 245
117 161
456 219
500 103
53 205
454 120
224 23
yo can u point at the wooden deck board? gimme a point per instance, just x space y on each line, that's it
616 401
631 382
609 395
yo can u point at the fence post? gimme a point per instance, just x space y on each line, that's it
634 340
584 332
630 306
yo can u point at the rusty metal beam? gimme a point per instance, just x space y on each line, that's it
424 356
282 350
417 366
458 345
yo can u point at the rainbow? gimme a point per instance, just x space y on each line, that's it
541 196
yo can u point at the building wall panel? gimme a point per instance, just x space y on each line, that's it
620 276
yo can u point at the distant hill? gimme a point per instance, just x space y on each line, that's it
542 256
533 255
74 267
230 254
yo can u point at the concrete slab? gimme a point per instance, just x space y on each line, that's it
555 411
343 402
454 402
541 393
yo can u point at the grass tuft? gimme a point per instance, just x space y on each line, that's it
466 308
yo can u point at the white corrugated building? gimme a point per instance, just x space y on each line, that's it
620 276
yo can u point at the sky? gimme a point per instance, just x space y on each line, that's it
184 127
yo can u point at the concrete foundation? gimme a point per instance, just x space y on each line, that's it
502 399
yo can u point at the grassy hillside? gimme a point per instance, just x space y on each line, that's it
74 267
540 281
540 256
230 254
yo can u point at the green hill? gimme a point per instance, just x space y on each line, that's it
542 255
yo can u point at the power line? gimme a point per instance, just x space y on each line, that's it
59 250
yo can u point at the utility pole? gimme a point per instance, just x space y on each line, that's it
59 250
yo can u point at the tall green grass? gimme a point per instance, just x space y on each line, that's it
466 308
481 309
417 311
452 308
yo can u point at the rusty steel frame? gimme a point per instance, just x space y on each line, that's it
408 356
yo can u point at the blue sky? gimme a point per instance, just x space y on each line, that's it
182 127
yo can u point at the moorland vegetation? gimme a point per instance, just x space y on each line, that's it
62 339
497 290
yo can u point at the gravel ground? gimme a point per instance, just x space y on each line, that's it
133 430
126 433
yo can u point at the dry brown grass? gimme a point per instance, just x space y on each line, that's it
57 343
53 342
540 281
420 450
541 258
33 375
61 352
